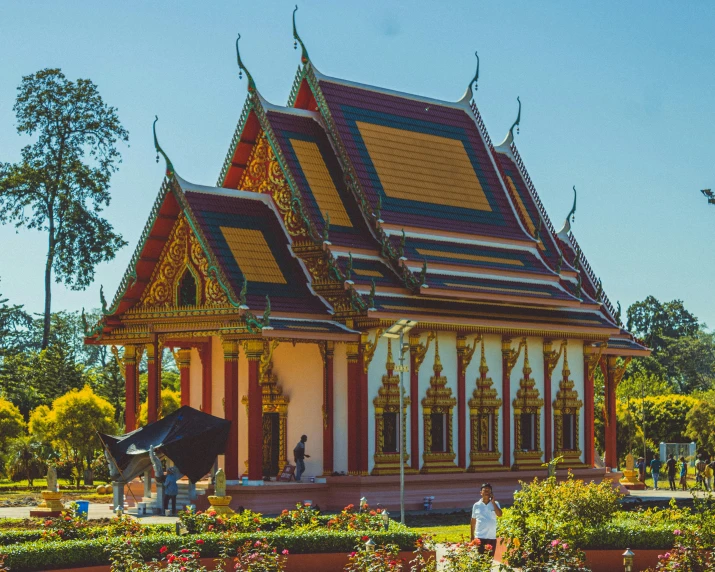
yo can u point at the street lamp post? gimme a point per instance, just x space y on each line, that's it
398 331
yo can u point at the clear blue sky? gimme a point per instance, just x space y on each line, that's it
618 100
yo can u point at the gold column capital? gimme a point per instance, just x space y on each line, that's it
230 350
150 354
254 349
418 349
510 355
551 357
353 351
183 358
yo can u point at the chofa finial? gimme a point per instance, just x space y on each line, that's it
304 53
169 166
242 69
468 95
563 234
509 139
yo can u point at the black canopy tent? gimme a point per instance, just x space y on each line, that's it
190 438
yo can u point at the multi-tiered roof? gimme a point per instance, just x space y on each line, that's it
355 205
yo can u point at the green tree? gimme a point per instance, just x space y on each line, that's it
25 459
666 417
14 323
170 402
12 424
691 361
701 426
654 321
72 425
61 184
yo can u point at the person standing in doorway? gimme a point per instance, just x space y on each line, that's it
671 466
655 466
683 473
484 520
299 456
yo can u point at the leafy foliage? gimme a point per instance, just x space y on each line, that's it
170 402
700 426
61 184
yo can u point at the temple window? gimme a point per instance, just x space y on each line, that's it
527 420
566 418
437 409
484 417
187 289
387 422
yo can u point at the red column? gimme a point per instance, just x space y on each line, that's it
329 352
254 352
230 388
364 405
354 374
612 376
414 403
183 362
205 353
130 388
153 355
461 402
548 416
506 403
588 408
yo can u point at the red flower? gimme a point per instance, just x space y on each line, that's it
184 550
199 541
365 538
68 518
163 549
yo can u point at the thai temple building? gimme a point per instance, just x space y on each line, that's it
334 216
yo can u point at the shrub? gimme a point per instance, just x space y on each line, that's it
545 510
464 556
302 517
692 552
260 556
350 519
208 521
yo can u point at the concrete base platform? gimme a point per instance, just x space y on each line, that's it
450 491
45 513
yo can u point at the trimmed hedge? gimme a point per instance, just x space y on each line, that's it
16 536
624 534
34 556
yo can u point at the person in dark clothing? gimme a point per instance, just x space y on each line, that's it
655 466
299 456
671 466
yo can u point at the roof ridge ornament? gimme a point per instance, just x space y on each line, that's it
469 94
169 167
242 68
304 58
509 139
563 234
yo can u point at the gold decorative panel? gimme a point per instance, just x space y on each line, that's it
253 255
424 168
474 257
567 403
370 273
320 181
522 208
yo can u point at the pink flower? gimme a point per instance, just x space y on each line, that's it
258 543
565 546
554 542
667 554
677 532
285 552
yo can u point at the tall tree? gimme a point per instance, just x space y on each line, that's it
14 326
61 184
654 321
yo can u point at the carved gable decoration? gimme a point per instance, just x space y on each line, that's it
182 266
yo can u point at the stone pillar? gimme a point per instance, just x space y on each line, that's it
230 389
328 351
461 401
147 484
354 375
183 362
153 355
205 354
254 351
131 380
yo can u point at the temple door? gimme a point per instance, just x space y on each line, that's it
271 444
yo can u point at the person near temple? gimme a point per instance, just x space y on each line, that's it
299 456
170 481
700 472
683 473
671 466
655 466
484 520
709 471
640 465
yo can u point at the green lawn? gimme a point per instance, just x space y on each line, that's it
454 533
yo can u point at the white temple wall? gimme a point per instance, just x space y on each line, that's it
299 369
340 409
195 379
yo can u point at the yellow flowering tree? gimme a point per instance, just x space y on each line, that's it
170 402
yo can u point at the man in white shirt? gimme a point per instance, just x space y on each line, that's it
484 520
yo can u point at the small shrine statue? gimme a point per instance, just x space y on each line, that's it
52 479
220 486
